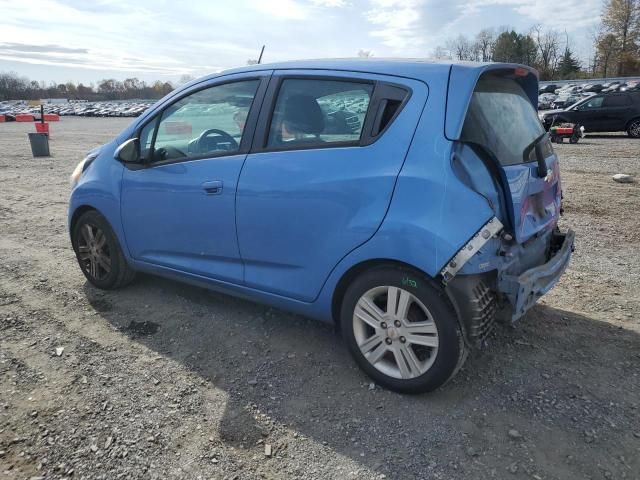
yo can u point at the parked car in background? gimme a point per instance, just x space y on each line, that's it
411 232
87 109
550 88
545 100
608 86
609 112
563 101
592 88
631 86
568 90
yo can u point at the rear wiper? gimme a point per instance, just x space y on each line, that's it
537 145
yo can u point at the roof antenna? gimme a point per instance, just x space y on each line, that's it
260 57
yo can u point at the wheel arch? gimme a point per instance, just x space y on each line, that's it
77 213
634 119
354 271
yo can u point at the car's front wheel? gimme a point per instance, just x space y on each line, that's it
98 252
401 329
634 128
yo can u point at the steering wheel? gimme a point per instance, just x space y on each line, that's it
168 152
214 132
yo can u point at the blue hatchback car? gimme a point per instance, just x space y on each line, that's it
410 203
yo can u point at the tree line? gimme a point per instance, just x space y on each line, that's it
539 48
15 87
615 52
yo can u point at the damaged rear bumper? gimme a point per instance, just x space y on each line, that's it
525 289
481 298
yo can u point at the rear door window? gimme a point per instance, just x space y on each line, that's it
501 119
616 101
318 112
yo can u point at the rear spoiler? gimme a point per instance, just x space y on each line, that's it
462 80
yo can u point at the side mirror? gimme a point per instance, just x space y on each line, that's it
128 152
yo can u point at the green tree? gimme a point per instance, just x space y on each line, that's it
569 66
513 47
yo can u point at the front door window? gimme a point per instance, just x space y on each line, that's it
207 123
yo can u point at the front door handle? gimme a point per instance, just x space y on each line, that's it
213 187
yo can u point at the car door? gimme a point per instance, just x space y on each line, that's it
320 176
616 111
589 114
178 210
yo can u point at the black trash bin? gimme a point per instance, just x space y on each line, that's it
39 144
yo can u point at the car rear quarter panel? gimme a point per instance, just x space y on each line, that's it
432 213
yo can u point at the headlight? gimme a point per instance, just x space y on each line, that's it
81 167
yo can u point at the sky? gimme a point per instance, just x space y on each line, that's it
88 40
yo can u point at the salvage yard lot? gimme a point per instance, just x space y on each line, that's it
162 380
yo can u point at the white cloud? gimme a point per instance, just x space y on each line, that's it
158 38
329 3
397 23
286 9
571 15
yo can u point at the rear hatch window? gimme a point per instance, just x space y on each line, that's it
502 119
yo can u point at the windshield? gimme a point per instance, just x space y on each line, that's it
501 119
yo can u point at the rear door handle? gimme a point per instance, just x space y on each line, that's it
213 187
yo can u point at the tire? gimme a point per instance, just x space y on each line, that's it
634 128
98 252
574 138
383 340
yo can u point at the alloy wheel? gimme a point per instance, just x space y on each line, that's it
93 251
634 129
395 332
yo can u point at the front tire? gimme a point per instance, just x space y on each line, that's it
401 330
98 252
634 128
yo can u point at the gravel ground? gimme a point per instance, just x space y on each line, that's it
166 381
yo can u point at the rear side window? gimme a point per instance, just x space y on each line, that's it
318 112
616 101
501 119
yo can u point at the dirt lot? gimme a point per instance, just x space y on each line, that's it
165 381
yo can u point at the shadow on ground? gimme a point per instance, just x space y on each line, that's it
567 383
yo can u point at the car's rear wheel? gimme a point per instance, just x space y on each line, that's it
401 329
634 128
98 252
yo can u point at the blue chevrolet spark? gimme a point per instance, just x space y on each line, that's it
410 203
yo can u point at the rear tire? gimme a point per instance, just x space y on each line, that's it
98 252
634 128
402 330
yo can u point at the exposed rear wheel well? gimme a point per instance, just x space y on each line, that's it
353 272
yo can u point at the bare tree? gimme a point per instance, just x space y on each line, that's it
365 53
548 46
462 48
608 49
185 78
485 40
441 53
